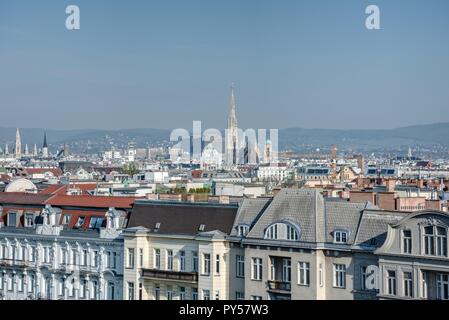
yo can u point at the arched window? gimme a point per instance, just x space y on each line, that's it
282 231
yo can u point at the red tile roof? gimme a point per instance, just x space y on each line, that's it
56 171
91 201
62 189
23 198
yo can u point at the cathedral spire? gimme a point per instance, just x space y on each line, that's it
232 118
45 140
18 150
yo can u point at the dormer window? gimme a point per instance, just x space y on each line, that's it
242 230
201 228
341 236
79 222
29 220
12 219
435 241
282 231
157 226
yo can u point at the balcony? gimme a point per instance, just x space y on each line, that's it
279 286
180 276
15 263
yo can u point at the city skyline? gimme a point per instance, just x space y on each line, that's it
307 65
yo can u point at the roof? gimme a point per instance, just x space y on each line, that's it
182 218
373 227
23 198
56 171
249 210
62 189
91 201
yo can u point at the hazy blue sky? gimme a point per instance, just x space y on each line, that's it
164 63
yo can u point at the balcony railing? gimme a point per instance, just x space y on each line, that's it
170 275
279 286
15 263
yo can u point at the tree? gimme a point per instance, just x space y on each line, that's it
130 169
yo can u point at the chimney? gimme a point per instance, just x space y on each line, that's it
224 199
420 183
390 184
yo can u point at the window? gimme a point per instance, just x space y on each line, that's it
32 254
73 256
140 257
169 259
96 222
79 223
304 273
31 283
340 236
272 232
282 231
1 281
84 258
194 294
111 291
130 261
435 241
96 290
114 260
242 230
63 258
83 289
256 297
182 293
406 241
364 277
182 261
339 276
66 219
29 220
391 282
256 270
240 266
195 261
408 284
140 291
217 264
21 283
239 295
169 293
72 288
61 287
292 234
10 282
443 286
286 270
206 263
157 293
441 240
217 295
157 259
130 290
12 222
96 259
206 294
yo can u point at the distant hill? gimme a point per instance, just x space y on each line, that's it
296 139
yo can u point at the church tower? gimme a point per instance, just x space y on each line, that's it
231 134
45 146
18 150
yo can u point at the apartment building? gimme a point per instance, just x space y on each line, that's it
178 250
303 246
61 247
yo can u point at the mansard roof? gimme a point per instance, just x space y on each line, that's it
182 218
317 217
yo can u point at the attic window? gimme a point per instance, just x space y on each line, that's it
201 228
79 222
157 226
242 230
341 236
